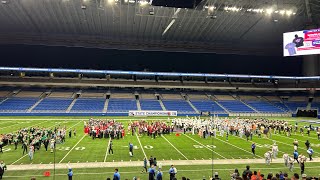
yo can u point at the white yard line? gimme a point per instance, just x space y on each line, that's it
237 147
74 125
205 146
290 144
259 144
72 148
105 157
144 153
174 147
19 159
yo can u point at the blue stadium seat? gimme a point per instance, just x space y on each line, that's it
281 105
264 107
122 105
53 104
293 105
88 105
236 106
207 106
181 106
18 104
150 104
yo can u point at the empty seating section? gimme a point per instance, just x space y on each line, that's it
171 96
88 105
298 98
281 105
236 106
53 104
149 104
248 98
207 106
18 104
181 106
122 95
294 105
272 98
197 96
122 105
4 93
147 96
61 94
29 94
224 97
263 106
92 95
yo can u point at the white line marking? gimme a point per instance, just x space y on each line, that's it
140 144
19 159
105 157
205 146
72 148
174 147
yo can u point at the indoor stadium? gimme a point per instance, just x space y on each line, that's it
159 89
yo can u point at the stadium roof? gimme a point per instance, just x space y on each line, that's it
232 26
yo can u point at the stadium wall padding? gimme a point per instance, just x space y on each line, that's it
86 114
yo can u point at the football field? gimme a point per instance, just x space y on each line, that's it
192 155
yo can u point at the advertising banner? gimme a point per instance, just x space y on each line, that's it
153 113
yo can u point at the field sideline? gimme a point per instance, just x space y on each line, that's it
82 149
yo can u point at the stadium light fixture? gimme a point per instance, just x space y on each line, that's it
269 11
289 12
132 1
110 1
4 2
282 12
143 3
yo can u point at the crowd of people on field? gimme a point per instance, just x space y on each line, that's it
98 128
31 139
150 128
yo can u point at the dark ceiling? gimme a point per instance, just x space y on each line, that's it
123 25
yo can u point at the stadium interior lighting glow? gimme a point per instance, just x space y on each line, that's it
211 8
282 12
269 11
143 3
289 12
126 1
4 2
257 10
234 9
110 1
132 1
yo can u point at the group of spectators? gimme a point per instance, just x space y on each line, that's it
248 174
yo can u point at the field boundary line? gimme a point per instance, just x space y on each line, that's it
205 146
105 157
144 153
72 148
174 147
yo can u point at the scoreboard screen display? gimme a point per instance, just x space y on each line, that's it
304 42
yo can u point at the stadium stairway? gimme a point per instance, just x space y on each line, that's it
71 105
35 105
255 110
3 100
105 107
162 105
193 107
138 105
216 101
